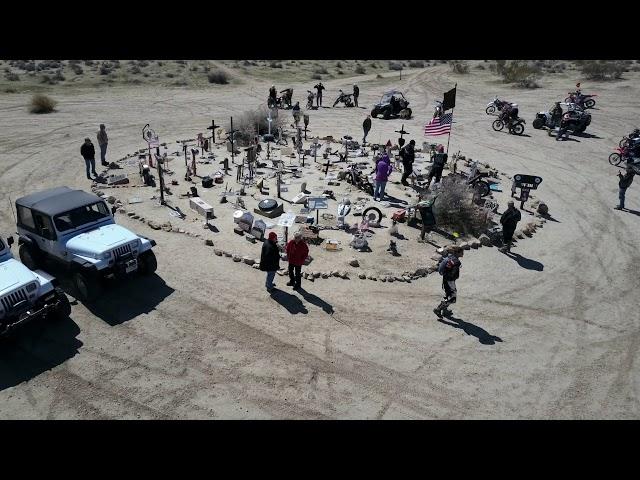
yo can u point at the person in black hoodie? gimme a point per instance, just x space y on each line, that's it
88 152
319 87
449 268
509 221
408 155
270 259
366 126
356 94
624 183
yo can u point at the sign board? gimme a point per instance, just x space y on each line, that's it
287 219
317 203
527 181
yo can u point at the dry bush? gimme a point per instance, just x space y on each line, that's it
249 63
135 70
315 76
520 72
42 104
373 65
218 77
77 69
275 65
171 75
46 79
143 63
12 77
104 70
321 71
396 66
455 209
338 64
178 83
416 64
340 72
252 123
480 67
379 76
360 70
602 69
59 77
459 66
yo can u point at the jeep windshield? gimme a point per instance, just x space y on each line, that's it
81 216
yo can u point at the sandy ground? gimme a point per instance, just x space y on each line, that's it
202 339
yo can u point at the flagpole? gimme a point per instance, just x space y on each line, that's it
451 128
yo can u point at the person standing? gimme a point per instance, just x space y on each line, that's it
383 170
449 268
297 252
270 259
88 152
356 94
103 140
439 160
408 155
319 87
509 221
273 96
428 218
366 126
296 114
623 184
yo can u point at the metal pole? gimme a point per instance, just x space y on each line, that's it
449 139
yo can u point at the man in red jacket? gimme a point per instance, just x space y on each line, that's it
297 252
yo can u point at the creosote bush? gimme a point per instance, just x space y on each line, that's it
396 66
454 207
252 123
42 104
218 77
416 64
519 72
458 66
360 70
602 69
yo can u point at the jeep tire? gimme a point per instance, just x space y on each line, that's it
29 256
88 286
63 310
147 263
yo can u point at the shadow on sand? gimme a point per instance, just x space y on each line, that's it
481 334
525 262
291 302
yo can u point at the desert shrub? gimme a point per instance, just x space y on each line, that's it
143 63
275 65
520 72
379 76
480 67
252 123
373 65
396 66
59 77
249 63
321 71
602 69
42 104
77 69
360 70
338 64
315 76
218 77
104 70
29 67
48 64
459 66
145 75
443 61
46 79
179 83
10 90
160 63
455 209
416 64
135 70
133 81
170 75
12 77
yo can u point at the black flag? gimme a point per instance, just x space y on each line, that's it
449 100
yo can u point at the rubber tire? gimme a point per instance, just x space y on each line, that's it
386 114
64 308
29 257
372 209
538 123
615 159
589 103
491 109
497 123
147 263
517 129
483 188
374 113
89 288
267 205
349 178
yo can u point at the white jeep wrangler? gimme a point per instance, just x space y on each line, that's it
77 230
27 295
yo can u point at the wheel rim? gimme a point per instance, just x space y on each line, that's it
589 103
518 129
491 110
498 125
614 159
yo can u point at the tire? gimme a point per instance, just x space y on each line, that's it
64 307
491 109
88 287
374 113
387 114
147 263
538 123
349 178
483 188
615 159
589 103
517 129
497 125
29 256
372 210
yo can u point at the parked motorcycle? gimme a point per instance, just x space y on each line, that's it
495 105
582 100
516 127
621 154
344 98
310 99
355 177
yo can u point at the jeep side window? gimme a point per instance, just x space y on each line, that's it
44 226
25 217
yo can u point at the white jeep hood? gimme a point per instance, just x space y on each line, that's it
101 240
14 274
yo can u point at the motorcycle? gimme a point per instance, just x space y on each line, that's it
481 186
495 105
516 127
582 100
355 177
623 154
344 98
625 140
310 99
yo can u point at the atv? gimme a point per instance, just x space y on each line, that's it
392 104
579 119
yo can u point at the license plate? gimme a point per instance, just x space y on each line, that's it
131 266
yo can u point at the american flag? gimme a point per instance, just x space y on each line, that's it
439 125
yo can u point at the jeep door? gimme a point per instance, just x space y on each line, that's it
46 234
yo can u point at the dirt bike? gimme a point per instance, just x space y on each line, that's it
585 101
516 127
481 186
621 154
625 140
344 98
495 105
310 98
355 177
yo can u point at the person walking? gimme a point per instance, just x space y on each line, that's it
319 88
408 155
270 259
366 126
439 161
297 252
449 268
296 114
103 140
88 152
356 94
383 170
509 221
623 184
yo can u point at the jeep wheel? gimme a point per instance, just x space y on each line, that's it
63 310
147 263
88 287
29 257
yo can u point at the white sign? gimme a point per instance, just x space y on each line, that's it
287 219
317 203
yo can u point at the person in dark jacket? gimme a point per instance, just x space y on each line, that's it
556 114
408 155
297 252
366 126
296 114
439 161
509 221
449 268
273 94
623 184
270 259
319 87
356 94
88 152
103 141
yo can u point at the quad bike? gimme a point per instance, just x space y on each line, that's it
585 101
392 104
495 105
344 98
277 103
578 119
516 127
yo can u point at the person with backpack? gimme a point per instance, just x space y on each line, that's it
439 161
449 268
270 259
408 155
509 221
